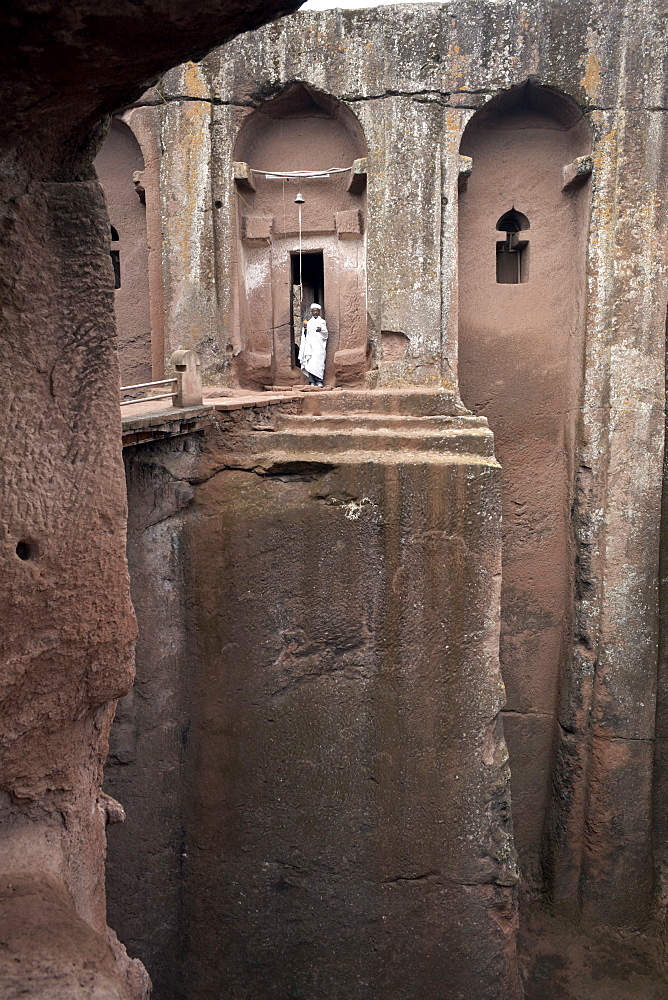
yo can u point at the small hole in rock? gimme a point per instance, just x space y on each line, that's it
218 204
25 550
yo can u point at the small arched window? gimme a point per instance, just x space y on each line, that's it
512 254
116 257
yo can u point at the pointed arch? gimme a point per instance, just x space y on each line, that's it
118 162
512 222
521 343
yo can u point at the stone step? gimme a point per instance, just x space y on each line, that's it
416 402
374 422
477 441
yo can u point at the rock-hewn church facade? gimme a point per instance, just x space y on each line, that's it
400 714
474 195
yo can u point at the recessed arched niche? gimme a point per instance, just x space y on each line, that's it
287 258
523 226
118 164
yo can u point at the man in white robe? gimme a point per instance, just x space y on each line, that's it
313 347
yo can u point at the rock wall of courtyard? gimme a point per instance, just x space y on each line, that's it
312 758
68 626
585 783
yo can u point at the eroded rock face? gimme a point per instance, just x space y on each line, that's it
55 954
554 360
68 629
573 384
323 681
66 65
413 82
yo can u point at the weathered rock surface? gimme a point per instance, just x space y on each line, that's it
49 951
413 79
577 645
345 816
575 396
68 628
150 733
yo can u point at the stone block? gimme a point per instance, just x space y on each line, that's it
530 738
243 178
578 172
358 176
256 229
350 224
349 821
465 171
189 380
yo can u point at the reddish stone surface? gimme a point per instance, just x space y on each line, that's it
68 629
302 129
118 162
570 368
330 702
52 952
520 363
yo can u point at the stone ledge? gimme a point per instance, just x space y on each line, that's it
224 403
140 428
369 434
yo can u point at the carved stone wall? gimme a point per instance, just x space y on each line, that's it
301 130
413 82
68 627
521 361
324 685
574 385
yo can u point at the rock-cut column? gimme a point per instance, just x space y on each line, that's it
349 832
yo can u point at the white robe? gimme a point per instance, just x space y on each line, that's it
313 347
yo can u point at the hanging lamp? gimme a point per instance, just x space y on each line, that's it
299 201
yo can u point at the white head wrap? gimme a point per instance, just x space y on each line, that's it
315 305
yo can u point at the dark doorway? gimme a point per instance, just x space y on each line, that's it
312 290
116 257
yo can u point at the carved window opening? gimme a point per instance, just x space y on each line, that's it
115 257
512 254
312 290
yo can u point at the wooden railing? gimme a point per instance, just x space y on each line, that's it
187 383
149 385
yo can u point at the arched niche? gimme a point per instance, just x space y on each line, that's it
118 164
300 130
523 225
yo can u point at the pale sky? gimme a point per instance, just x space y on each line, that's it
329 4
